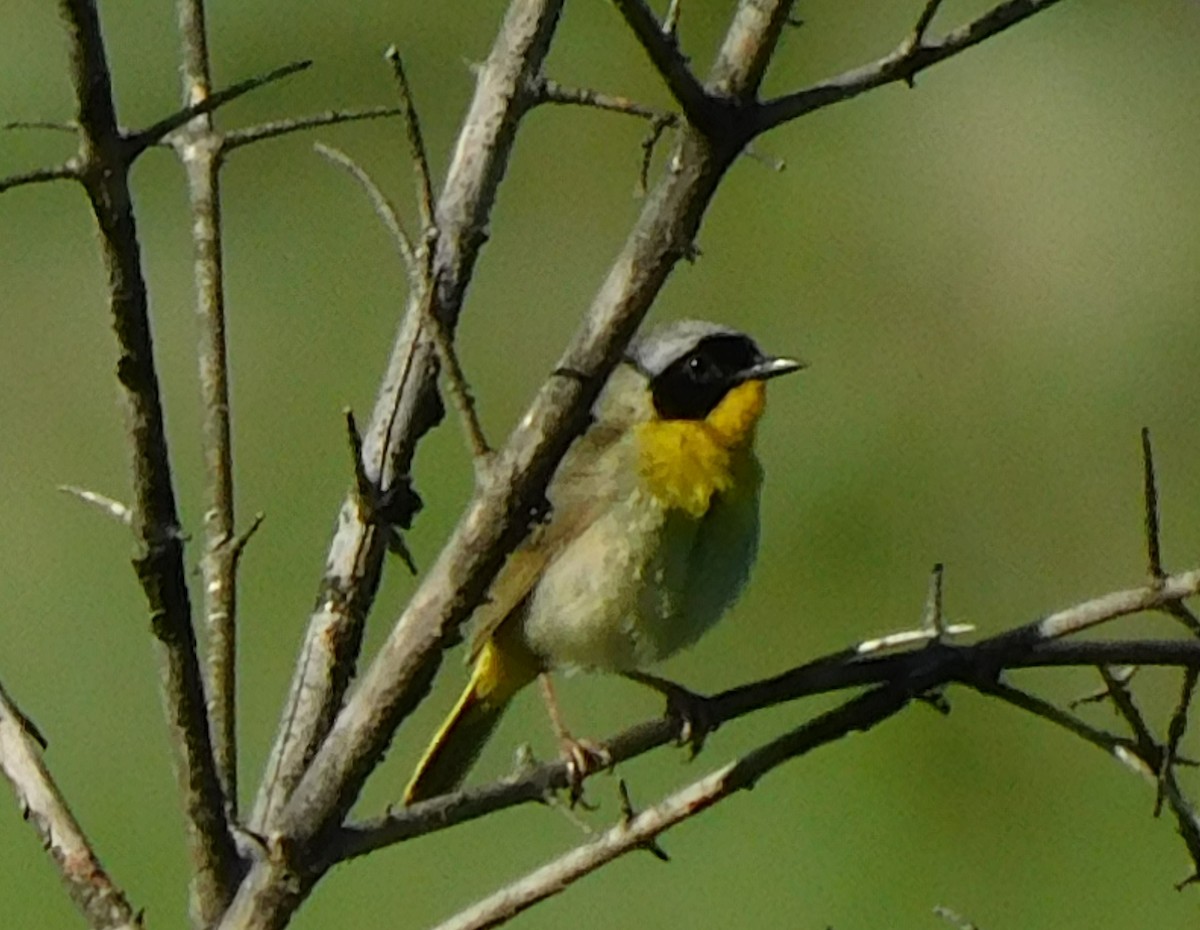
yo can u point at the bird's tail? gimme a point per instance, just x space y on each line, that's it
498 675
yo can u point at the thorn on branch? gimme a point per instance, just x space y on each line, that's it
113 508
386 509
670 26
1150 502
657 128
778 165
628 813
238 546
1123 674
932 619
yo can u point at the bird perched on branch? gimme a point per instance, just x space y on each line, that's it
652 534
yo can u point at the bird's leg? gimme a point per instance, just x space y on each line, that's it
692 711
583 757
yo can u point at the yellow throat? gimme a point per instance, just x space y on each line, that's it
685 462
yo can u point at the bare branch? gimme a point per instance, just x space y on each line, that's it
550 91
67 171
48 125
199 147
925 20
903 64
1175 732
640 831
141 140
236 138
976 665
103 904
384 208
660 45
406 408
1173 588
670 25
416 147
443 340
104 165
1120 747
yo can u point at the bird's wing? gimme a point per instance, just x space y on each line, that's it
595 463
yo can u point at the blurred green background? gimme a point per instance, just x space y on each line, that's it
994 277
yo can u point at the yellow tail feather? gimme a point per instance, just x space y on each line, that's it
498 675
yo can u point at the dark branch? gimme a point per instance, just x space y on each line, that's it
141 140
903 64
236 138
693 99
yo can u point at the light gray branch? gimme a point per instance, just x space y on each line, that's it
103 904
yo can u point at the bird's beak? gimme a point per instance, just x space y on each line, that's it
772 368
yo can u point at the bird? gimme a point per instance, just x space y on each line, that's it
652 531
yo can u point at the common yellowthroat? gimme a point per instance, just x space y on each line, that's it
652 532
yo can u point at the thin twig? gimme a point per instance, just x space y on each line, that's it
924 21
670 26
104 164
236 138
110 506
199 146
1121 748
103 904
137 142
902 64
67 171
462 398
460 392
933 618
386 211
1175 732
1148 749
383 206
416 149
546 90
40 124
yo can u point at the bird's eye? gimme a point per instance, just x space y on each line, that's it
699 367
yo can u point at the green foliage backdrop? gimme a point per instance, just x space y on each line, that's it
994 276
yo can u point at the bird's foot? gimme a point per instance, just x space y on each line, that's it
583 758
693 713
